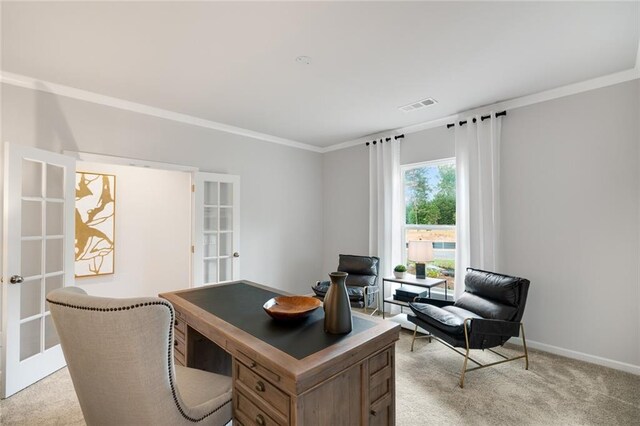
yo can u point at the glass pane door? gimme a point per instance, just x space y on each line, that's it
216 228
42 253
39 213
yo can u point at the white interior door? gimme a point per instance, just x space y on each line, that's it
39 198
216 228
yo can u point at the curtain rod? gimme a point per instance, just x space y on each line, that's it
385 140
482 118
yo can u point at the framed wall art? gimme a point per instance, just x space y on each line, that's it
95 224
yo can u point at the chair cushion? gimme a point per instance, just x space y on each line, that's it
486 308
449 319
501 288
354 280
356 294
358 265
198 386
205 394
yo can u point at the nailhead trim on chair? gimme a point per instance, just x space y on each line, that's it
139 305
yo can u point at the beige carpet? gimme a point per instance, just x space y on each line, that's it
555 391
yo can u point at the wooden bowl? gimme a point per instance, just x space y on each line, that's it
291 307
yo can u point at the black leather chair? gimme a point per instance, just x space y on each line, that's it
362 281
487 315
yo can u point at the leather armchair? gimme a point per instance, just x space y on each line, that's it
487 315
362 281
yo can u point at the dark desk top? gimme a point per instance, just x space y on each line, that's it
240 304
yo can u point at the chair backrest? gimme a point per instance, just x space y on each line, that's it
120 356
495 296
362 270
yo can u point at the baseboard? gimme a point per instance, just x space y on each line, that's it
581 356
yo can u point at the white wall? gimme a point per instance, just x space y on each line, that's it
281 187
435 144
152 232
570 208
570 194
346 205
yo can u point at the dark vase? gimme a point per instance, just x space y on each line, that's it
337 309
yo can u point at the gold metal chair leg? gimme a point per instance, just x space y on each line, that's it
376 306
526 352
415 331
466 357
366 300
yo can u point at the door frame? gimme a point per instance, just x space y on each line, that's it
193 172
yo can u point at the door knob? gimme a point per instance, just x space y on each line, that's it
16 279
236 254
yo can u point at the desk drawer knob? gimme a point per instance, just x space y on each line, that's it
260 386
175 322
260 420
374 412
175 342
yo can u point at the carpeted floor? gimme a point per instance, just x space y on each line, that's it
555 391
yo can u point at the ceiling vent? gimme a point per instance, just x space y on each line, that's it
418 105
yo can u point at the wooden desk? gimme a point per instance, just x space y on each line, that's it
303 376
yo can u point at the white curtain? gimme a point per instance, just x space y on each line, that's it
477 196
385 205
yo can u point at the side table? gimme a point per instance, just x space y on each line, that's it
427 283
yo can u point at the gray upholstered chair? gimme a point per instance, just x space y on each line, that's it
120 357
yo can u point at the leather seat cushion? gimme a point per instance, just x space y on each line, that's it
356 294
486 308
449 319
501 288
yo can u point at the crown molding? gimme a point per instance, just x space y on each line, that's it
96 98
547 95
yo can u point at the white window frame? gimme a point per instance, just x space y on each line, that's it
403 169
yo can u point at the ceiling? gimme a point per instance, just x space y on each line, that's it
234 63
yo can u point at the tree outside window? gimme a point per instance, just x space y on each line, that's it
430 214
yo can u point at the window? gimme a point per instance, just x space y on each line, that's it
430 215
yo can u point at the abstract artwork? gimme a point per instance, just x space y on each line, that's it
95 224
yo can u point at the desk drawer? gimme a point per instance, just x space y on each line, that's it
179 344
381 388
249 413
180 325
258 387
179 358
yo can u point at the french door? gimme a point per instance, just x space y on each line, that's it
38 246
216 228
